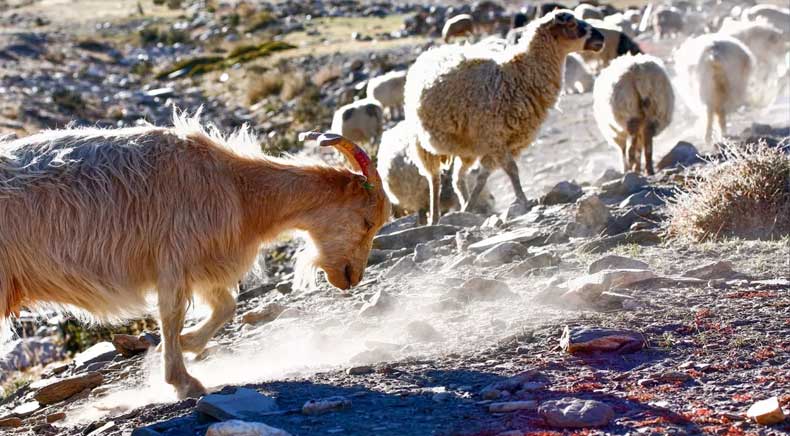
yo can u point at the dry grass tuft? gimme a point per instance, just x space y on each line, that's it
287 85
747 195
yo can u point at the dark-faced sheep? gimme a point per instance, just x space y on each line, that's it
96 220
667 22
617 43
488 105
713 74
633 101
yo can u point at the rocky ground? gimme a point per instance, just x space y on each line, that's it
580 317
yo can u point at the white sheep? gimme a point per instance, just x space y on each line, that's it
714 71
387 89
361 121
488 105
577 78
406 188
633 101
770 14
459 25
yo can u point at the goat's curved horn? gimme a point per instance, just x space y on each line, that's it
355 154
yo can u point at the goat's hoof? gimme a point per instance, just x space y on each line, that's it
192 388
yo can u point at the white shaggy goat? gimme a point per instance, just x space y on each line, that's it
770 14
713 75
95 220
361 121
633 101
387 89
459 25
489 105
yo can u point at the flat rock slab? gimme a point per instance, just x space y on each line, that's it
101 352
639 237
242 404
241 428
326 405
462 219
63 389
615 262
481 289
522 236
721 269
600 340
408 238
766 412
589 287
267 313
576 413
512 406
499 254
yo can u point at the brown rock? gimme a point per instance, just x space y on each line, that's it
596 339
63 389
55 417
128 345
766 412
11 422
268 313
721 269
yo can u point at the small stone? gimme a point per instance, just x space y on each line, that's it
284 287
592 215
595 339
576 413
10 422
242 404
379 304
481 289
642 198
489 393
505 252
522 236
422 331
268 313
242 428
672 377
682 154
640 237
512 406
766 412
514 383
55 417
326 405
607 176
101 352
615 262
562 192
404 266
629 184
359 370
588 288
65 388
721 269
129 345
540 260
408 238
462 219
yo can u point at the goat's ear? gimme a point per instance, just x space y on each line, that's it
565 19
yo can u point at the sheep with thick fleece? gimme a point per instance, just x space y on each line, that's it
406 188
770 14
459 25
361 121
713 75
577 78
387 89
633 101
586 11
96 220
488 105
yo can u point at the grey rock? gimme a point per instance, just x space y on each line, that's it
236 427
242 404
629 184
540 260
721 269
576 413
462 219
326 405
584 339
562 192
422 331
612 261
639 237
502 253
408 238
404 266
101 352
646 197
379 304
607 176
481 289
359 370
682 154
592 214
399 224
523 236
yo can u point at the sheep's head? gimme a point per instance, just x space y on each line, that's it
344 236
572 33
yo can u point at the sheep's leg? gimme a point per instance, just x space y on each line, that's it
622 143
511 169
223 306
722 118
460 169
172 311
435 189
647 148
480 183
709 127
634 155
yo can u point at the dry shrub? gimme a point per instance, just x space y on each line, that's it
264 85
293 85
747 195
326 74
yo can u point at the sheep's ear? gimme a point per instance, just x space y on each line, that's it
564 18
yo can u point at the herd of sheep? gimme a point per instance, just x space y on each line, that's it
480 103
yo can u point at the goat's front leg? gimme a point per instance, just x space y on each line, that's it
223 306
172 311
